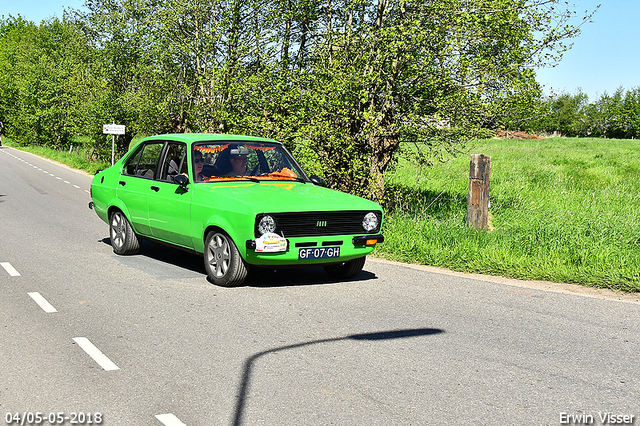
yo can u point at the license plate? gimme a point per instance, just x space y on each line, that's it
319 253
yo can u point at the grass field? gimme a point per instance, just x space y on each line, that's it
564 210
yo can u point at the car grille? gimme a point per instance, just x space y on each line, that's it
309 224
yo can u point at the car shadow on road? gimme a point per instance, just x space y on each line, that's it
169 255
312 275
257 277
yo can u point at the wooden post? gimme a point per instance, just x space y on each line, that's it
478 203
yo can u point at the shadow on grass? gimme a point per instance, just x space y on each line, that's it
442 205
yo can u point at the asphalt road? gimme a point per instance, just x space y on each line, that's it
147 340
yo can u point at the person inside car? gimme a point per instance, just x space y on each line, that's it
238 163
198 163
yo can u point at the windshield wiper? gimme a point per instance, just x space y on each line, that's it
252 179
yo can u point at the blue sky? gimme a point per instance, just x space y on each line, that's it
604 57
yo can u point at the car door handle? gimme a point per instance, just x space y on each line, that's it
155 188
123 183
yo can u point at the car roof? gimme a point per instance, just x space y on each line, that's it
208 137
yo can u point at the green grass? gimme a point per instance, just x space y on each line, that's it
78 159
564 210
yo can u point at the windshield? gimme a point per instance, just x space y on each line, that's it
225 160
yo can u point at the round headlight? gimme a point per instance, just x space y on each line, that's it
266 224
370 222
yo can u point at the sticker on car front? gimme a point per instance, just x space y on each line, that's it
271 243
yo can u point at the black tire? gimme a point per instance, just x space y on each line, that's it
123 239
225 267
346 269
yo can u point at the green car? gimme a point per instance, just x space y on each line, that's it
241 201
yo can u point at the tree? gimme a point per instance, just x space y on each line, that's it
45 73
566 114
380 72
341 82
617 115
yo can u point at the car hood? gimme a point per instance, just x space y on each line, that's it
281 196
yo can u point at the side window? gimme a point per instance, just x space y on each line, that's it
132 164
174 162
144 162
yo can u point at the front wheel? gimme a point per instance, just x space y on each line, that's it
346 269
123 239
225 267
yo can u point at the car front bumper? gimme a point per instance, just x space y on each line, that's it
315 250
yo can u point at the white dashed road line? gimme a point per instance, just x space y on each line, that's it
86 345
42 302
95 353
169 420
10 269
44 171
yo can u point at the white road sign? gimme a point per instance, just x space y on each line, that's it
113 129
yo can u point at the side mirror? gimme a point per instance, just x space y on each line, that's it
316 180
181 180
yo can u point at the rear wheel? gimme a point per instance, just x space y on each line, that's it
123 239
346 269
225 267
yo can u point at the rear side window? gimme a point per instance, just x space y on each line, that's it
145 161
174 162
